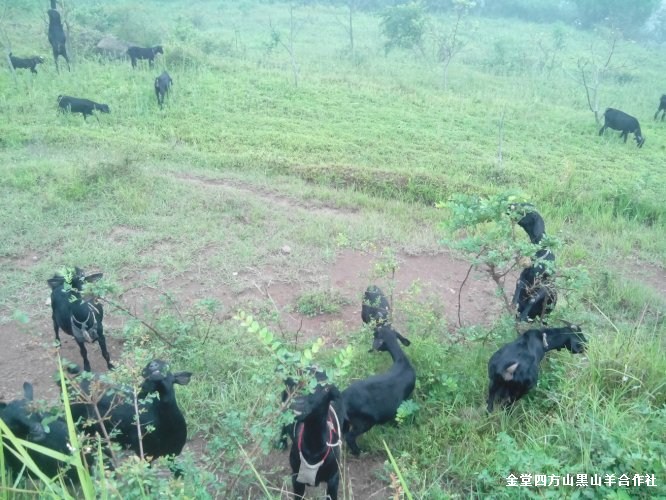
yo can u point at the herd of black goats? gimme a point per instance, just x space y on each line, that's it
613 118
86 107
322 419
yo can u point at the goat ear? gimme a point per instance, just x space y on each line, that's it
91 278
405 341
55 281
182 378
27 391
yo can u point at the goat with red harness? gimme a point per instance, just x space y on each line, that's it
315 451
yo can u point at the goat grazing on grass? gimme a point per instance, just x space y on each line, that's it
149 53
535 293
26 424
662 108
529 219
57 37
514 369
26 63
77 316
83 106
375 400
162 85
315 450
627 124
163 426
375 311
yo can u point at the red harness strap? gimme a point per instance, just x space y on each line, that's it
332 430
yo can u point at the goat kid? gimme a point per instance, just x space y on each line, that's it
662 108
149 53
26 424
535 294
77 316
26 63
375 400
83 106
159 413
315 450
375 311
162 85
619 120
514 369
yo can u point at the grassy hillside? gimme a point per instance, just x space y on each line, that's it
206 193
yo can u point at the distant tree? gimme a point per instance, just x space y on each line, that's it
592 70
403 26
449 43
352 6
278 39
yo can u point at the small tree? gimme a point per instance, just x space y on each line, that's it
403 26
592 71
288 45
489 238
449 43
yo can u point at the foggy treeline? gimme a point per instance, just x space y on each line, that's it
636 18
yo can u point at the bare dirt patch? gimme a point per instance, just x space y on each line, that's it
28 353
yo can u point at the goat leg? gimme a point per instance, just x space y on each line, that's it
534 300
84 355
299 488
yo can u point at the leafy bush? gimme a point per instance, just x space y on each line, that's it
404 26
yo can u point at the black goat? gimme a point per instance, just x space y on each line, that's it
26 424
662 108
159 413
535 293
514 369
375 311
162 85
77 316
293 391
315 450
26 63
375 400
529 219
144 53
57 37
619 120
83 106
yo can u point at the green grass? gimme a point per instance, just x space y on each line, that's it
241 163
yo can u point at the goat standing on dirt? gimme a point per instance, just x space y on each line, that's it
81 318
315 450
375 400
375 311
